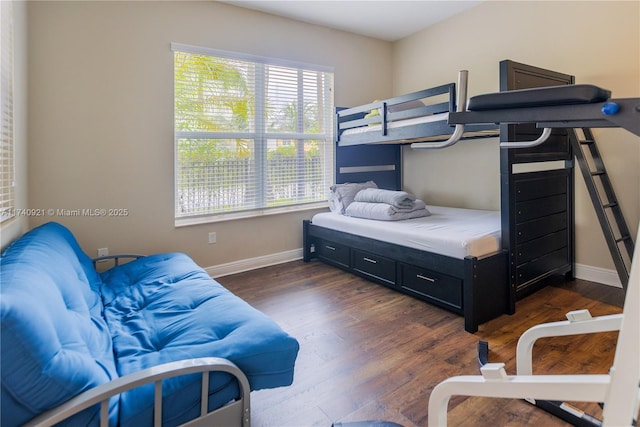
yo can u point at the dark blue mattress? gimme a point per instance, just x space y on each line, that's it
539 97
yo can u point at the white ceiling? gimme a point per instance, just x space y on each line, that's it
388 20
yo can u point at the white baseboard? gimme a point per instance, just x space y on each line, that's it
253 263
597 274
584 272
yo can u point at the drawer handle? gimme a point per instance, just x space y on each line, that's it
372 261
331 248
428 279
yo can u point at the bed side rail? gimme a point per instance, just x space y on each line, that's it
236 413
391 109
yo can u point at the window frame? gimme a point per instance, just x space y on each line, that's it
260 135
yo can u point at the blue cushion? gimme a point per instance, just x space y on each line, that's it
54 342
163 308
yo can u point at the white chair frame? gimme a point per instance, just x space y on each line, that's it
618 390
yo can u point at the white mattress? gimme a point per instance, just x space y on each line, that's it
448 231
408 122
416 121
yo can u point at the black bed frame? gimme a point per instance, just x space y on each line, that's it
536 215
473 287
537 208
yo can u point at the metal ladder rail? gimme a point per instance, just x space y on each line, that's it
604 202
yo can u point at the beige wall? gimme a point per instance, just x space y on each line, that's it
101 115
101 107
598 42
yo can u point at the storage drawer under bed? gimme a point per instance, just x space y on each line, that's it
333 253
479 293
375 266
433 286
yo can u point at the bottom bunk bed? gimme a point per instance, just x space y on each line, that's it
451 258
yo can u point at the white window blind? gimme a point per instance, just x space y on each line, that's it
6 115
252 134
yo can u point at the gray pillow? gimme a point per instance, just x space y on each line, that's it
342 195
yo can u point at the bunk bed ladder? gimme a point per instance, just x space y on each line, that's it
604 200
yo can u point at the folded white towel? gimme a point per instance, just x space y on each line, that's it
415 206
384 211
400 199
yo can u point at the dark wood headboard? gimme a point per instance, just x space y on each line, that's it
380 163
537 204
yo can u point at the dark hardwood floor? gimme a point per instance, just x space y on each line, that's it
368 352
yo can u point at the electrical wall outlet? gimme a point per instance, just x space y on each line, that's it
103 251
212 237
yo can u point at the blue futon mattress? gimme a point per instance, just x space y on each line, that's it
163 308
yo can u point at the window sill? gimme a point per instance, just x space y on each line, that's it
207 219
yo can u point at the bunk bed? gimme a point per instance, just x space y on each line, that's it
369 141
537 201
536 216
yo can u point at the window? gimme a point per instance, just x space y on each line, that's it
7 195
253 135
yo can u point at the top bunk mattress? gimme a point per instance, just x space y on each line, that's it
392 125
447 231
420 137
